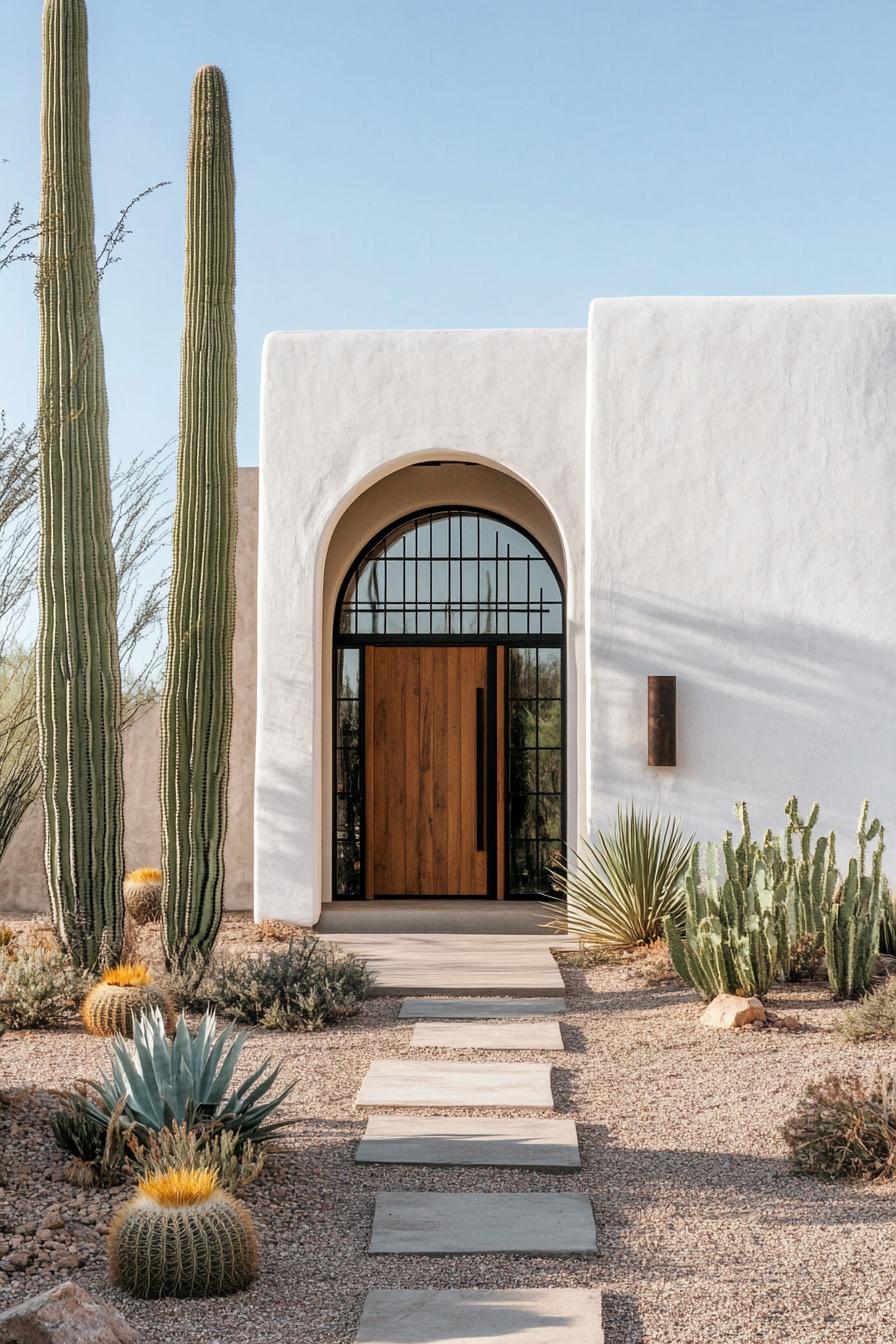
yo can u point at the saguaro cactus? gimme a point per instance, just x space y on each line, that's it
78 684
196 710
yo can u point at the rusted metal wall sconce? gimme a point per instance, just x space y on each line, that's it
661 721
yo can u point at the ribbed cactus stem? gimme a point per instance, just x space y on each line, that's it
78 683
196 710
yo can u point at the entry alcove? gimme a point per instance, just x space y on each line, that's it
449 697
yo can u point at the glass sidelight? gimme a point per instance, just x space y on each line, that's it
535 783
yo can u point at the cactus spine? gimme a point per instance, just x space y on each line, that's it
181 1236
196 709
78 679
853 917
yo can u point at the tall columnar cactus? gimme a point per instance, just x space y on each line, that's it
730 944
78 680
853 917
196 710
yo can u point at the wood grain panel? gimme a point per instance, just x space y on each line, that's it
421 775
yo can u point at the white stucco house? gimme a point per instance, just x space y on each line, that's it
476 546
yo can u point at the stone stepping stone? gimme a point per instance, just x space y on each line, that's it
425 1222
487 1036
486 1008
464 1141
430 1083
464 964
477 1316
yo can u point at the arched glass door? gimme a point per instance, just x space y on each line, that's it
449 712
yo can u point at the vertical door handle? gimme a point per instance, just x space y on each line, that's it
480 768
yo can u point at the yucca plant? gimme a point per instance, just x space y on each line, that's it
619 889
187 1080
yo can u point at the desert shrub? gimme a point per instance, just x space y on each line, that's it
235 1165
7 937
618 891
277 931
303 987
845 1129
38 988
874 1017
184 983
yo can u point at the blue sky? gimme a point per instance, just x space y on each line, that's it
452 163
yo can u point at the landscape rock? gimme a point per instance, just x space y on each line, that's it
65 1315
731 1010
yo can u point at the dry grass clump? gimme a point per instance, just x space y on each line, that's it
234 1164
654 964
874 1017
845 1129
277 931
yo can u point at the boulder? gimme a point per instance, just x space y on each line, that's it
65 1315
731 1010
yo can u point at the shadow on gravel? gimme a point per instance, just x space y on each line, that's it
763 1189
574 1041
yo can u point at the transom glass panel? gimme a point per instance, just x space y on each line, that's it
452 573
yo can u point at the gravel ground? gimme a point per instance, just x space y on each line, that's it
704 1234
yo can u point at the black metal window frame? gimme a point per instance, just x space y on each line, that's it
345 640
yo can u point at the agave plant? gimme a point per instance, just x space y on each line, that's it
185 1081
619 889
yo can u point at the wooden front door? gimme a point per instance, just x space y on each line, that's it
434 820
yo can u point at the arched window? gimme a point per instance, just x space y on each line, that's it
448 578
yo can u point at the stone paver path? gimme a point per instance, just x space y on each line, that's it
457 1009
506 1004
428 1223
461 1141
430 1083
487 1036
476 1316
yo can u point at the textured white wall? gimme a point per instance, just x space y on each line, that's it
742 469
341 410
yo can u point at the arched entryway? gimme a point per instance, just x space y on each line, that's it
449 711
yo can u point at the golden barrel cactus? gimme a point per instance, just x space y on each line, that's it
182 1236
110 1006
143 895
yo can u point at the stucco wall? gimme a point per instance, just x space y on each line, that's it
341 411
22 876
741 477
